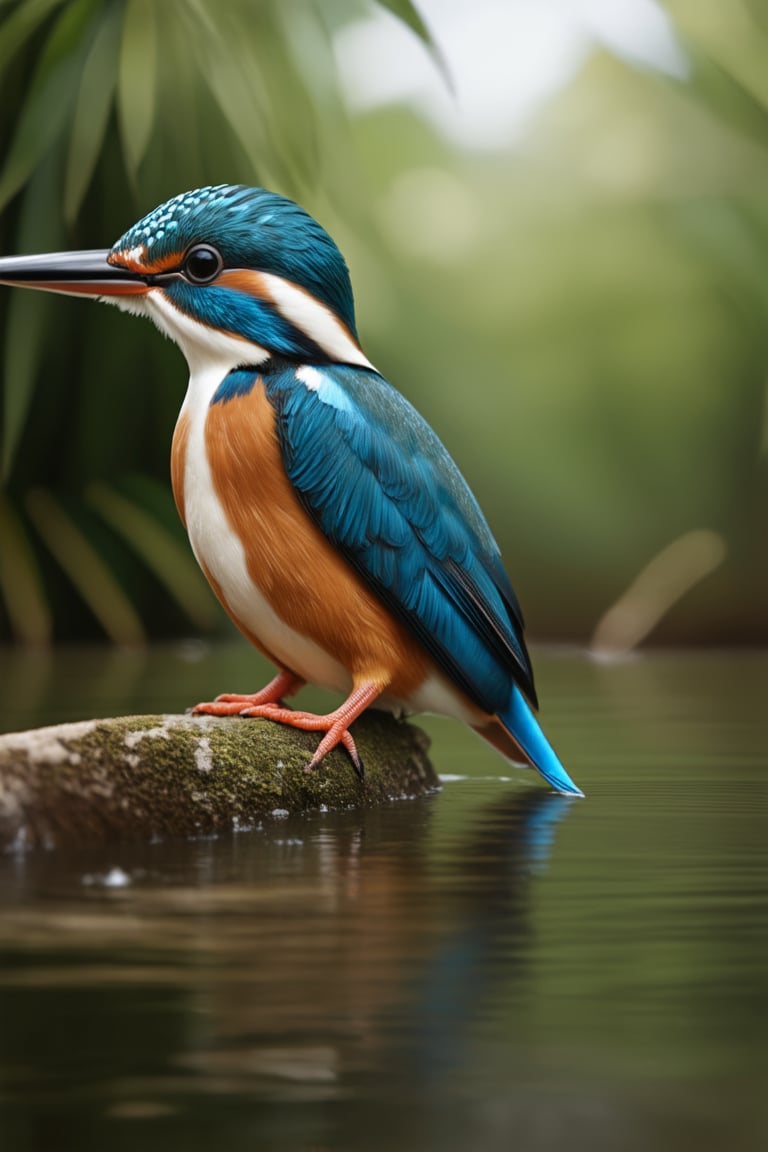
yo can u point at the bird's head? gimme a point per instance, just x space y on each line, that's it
232 274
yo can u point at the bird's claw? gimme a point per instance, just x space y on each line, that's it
268 705
334 727
345 737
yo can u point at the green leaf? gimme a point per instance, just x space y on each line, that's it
70 36
726 96
42 119
289 116
137 81
86 569
167 558
21 24
27 313
410 16
225 63
94 101
49 99
178 94
21 585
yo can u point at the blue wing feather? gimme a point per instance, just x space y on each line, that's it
383 489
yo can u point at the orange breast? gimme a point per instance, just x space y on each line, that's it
178 462
309 585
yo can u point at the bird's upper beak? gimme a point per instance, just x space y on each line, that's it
74 273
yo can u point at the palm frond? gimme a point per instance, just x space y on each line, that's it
137 81
161 551
27 314
21 584
85 568
91 112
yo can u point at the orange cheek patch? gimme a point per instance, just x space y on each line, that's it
242 280
128 259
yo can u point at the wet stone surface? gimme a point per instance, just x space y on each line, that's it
149 776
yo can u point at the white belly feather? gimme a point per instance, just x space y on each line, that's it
219 551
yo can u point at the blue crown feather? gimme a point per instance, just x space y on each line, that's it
251 228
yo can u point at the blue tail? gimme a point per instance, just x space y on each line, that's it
523 727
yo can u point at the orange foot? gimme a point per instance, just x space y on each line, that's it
334 724
230 704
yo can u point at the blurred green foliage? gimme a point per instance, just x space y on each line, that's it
108 107
582 319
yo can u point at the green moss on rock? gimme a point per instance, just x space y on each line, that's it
149 776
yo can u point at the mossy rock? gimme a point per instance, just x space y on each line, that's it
161 776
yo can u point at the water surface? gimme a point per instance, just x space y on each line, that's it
493 967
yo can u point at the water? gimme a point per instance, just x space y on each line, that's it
494 967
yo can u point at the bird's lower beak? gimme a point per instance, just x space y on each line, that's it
74 273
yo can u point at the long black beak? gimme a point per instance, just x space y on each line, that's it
75 273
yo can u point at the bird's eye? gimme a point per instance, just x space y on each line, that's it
203 264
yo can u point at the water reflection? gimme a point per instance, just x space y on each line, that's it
493 967
310 962
487 905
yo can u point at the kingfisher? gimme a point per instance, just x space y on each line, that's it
327 516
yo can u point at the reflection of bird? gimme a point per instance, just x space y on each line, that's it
327 516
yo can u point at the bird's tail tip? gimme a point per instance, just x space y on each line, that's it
520 723
561 782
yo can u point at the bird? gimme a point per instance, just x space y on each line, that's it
326 514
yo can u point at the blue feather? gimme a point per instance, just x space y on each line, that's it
524 728
236 383
252 228
227 310
383 489
369 471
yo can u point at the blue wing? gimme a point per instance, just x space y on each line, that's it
381 486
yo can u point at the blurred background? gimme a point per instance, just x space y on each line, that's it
555 216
